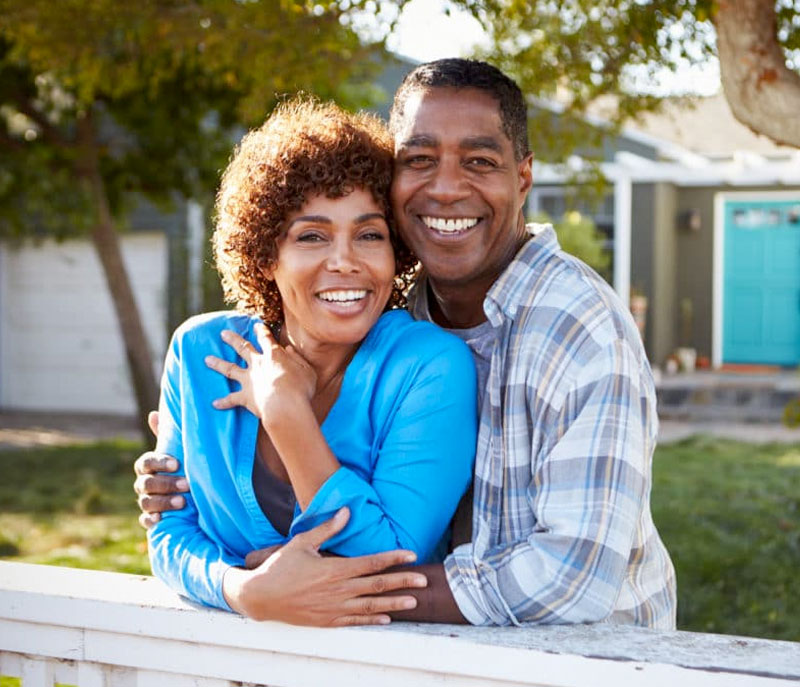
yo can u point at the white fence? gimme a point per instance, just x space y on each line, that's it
98 629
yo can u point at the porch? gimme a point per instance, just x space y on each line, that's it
730 396
99 629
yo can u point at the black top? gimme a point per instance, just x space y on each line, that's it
275 497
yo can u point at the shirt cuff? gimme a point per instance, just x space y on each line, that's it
474 589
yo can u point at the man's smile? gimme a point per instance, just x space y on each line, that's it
449 225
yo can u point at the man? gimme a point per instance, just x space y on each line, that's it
561 528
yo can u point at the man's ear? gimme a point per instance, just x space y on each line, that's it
525 170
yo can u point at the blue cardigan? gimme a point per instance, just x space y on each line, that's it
403 428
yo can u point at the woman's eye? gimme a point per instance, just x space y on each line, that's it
310 237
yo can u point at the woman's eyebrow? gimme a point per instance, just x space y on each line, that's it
370 216
316 219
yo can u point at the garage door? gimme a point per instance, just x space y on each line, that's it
60 347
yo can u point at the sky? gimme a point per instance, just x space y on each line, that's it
424 32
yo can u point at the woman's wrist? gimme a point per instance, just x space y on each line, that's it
284 410
233 589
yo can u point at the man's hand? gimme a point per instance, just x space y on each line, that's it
298 585
157 493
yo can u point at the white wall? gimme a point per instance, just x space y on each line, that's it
60 347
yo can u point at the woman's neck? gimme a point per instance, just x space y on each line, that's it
329 360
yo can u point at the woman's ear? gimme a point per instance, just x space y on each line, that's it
266 269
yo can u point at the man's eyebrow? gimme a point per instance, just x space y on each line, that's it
478 142
420 141
316 219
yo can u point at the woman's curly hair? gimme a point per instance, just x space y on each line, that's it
305 148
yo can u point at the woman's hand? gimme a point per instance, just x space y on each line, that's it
271 380
298 585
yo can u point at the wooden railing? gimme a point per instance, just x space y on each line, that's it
98 629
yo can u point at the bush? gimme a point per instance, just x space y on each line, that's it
579 236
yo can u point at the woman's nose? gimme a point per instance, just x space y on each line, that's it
342 257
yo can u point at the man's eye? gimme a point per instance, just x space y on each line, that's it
418 160
373 235
481 162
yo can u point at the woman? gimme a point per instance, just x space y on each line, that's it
340 401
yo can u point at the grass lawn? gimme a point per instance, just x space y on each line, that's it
728 512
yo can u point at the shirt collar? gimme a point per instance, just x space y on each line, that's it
513 286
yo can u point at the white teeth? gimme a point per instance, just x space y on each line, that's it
450 225
349 296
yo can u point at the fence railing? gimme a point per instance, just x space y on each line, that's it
98 629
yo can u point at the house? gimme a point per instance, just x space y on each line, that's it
703 218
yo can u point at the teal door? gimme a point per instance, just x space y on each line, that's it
761 311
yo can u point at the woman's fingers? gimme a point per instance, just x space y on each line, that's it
265 338
375 563
227 368
317 536
237 398
363 587
241 345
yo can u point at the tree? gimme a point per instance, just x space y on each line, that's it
761 88
102 100
580 52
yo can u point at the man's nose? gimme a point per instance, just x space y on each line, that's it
342 256
448 184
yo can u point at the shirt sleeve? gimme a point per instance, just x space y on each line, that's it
423 467
181 554
588 486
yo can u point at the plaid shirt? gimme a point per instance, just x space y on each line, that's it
562 530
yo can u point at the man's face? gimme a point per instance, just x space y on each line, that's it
457 192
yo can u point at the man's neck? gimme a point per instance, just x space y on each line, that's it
460 306
457 307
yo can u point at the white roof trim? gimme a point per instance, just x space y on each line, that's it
743 170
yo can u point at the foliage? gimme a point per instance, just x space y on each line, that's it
728 512
579 236
171 83
586 54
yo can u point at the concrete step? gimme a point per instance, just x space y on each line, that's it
726 396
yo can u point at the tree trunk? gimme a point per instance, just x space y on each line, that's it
762 91
106 242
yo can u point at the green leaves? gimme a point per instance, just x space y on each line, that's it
171 84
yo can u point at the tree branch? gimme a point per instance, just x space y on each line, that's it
51 133
762 91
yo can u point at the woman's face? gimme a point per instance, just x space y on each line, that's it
335 269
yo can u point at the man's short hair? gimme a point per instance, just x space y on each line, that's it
460 73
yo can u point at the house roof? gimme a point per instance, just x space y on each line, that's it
706 125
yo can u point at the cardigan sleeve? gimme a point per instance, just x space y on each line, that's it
423 466
181 554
